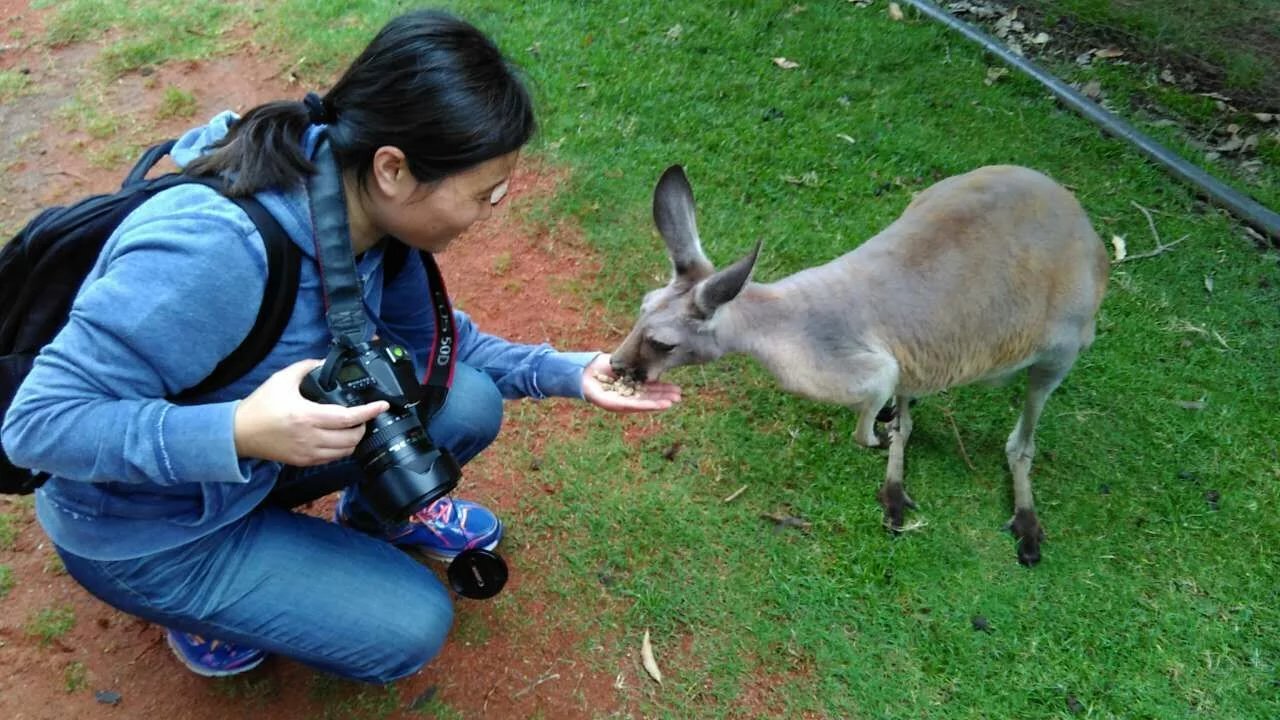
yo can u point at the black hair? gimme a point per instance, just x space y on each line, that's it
428 83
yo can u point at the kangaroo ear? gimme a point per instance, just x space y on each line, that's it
725 285
673 213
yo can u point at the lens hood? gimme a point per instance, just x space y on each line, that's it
402 489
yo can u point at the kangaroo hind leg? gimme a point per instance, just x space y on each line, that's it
1042 380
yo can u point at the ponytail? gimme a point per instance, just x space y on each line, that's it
262 149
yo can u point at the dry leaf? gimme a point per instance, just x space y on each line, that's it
1235 143
646 658
1167 76
994 74
1040 38
1117 242
785 64
846 138
1108 52
1092 90
1264 117
675 31
895 12
1208 284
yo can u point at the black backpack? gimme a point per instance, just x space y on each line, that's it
43 266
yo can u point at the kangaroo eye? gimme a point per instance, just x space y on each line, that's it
661 347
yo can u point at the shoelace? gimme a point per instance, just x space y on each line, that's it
435 513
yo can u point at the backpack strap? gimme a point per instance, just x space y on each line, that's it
283 263
146 162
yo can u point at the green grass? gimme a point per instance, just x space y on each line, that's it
346 700
49 624
146 32
1227 36
176 103
75 676
1159 37
8 531
13 84
252 690
1151 602
6 580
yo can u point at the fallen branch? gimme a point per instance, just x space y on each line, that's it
545 678
784 521
1161 247
946 410
734 495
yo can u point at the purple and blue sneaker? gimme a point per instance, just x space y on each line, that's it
213 658
440 531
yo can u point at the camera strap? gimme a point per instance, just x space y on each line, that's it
344 302
439 373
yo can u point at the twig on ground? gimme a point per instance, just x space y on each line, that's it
545 678
287 72
734 495
783 521
1161 246
485 708
913 526
946 410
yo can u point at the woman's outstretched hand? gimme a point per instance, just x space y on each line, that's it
276 423
648 396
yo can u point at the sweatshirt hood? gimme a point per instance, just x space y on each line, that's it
196 141
290 206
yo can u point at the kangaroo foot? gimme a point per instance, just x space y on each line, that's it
894 499
1025 526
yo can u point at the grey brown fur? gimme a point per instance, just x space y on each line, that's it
984 274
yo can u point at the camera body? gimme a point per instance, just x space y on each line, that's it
403 470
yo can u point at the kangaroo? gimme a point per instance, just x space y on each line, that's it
983 275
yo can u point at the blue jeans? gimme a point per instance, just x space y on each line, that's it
289 583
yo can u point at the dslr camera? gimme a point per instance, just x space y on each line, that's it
403 470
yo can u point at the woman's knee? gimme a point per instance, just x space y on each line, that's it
472 414
413 638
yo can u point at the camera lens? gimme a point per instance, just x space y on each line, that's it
404 471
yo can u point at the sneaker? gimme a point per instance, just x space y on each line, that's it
441 530
213 658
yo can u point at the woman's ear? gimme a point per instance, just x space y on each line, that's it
390 172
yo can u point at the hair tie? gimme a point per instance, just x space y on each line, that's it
317 113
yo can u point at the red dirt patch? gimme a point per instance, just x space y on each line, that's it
515 278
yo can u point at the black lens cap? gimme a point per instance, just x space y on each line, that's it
477 574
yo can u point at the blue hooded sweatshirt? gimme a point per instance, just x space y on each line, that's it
175 290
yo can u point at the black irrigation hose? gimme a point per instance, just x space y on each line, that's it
1244 207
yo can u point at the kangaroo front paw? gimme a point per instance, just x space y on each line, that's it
894 499
1025 526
